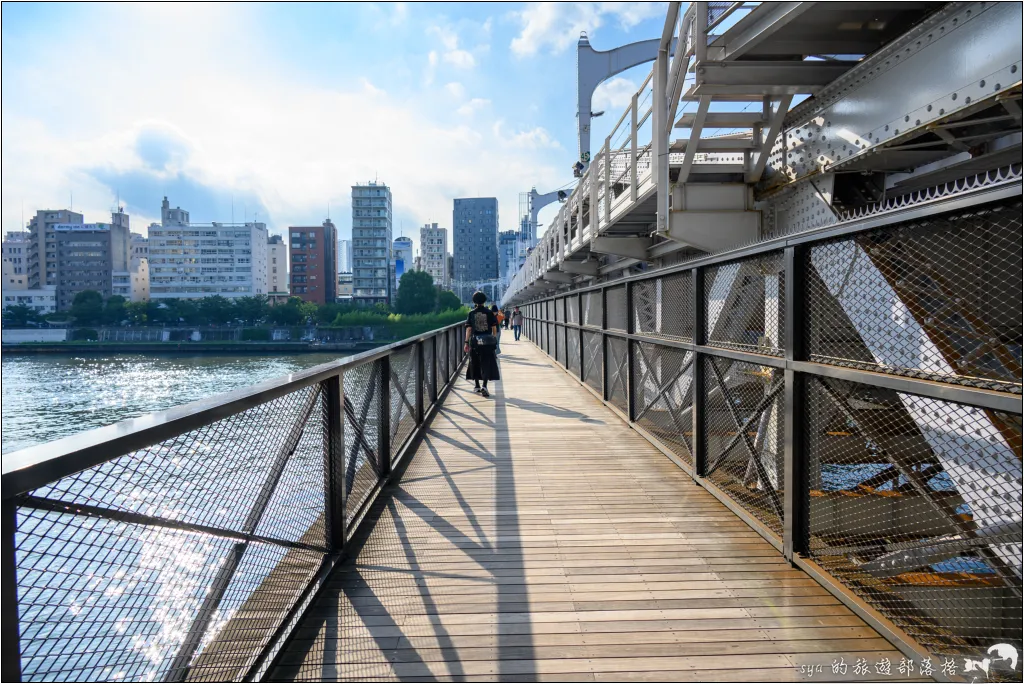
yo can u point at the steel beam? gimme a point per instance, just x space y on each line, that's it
756 27
588 268
633 247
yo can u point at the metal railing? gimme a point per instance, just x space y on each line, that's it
186 544
853 395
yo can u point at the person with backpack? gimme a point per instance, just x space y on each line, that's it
481 344
517 322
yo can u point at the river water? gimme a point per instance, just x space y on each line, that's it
48 396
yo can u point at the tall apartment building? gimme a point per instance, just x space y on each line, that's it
189 260
402 253
372 271
139 247
475 237
314 262
42 248
508 249
88 255
434 252
344 256
277 267
15 260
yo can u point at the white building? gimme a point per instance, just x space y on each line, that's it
44 300
372 265
133 284
434 253
189 260
401 253
344 256
15 260
277 266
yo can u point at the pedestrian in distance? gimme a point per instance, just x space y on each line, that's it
499 317
481 344
517 322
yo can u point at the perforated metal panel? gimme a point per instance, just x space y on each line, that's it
938 299
915 505
745 423
663 395
745 304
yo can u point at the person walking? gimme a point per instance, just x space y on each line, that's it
517 322
481 344
499 317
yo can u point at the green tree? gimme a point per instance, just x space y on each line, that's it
215 310
252 310
448 301
20 315
416 293
87 307
288 313
137 313
308 312
114 310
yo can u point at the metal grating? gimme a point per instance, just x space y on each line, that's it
363 407
616 358
572 348
745 304
593 361
560 351
572 309
663 395
559 310
938 299
663 306
592 309
615 302
744 433
402 389
915 505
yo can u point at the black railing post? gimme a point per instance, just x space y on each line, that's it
435 388
420 375
384 418
699 432
604 343
630 389
11 620
579 332
796 501
334 466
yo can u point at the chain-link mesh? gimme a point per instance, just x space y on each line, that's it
938 299
456 343
617 356
572 309
592 309
717 9
402 388
663 306
364 404
915 505
560 351
429 376
663 395
615 301
572 350
744 433
745 304
593 361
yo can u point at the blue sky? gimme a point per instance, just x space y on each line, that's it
277 109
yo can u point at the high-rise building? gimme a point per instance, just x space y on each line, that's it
277 267
15 260
189 260
314 262
434 253
344 256
475 238
42 249
401 251
372 271
87 254
508 248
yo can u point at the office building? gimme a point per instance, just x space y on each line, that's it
344 256
372 271
42 248
86 255
313 253
15 260
401 251
189 260
475 238
434 253
277 268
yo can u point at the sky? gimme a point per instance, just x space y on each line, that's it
271 112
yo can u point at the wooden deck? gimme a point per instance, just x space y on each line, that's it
535 536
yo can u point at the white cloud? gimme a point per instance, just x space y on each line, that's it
455 89
452 54
536 138
460 58
556 26
615 94
473 106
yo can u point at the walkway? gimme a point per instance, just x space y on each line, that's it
535 536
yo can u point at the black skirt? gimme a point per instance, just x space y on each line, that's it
483 363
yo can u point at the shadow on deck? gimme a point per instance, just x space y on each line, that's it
535 536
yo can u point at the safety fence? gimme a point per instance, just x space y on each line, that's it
853 395
186 544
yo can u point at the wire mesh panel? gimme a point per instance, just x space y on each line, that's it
402 388
559 310
915 505
572 351
615 301
560 351
593 360
616 358
938 299
744 432
429 376
153 567
593 306
664 306
456 343
364 404
572 309
443 364
663 395
745 304
549 339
